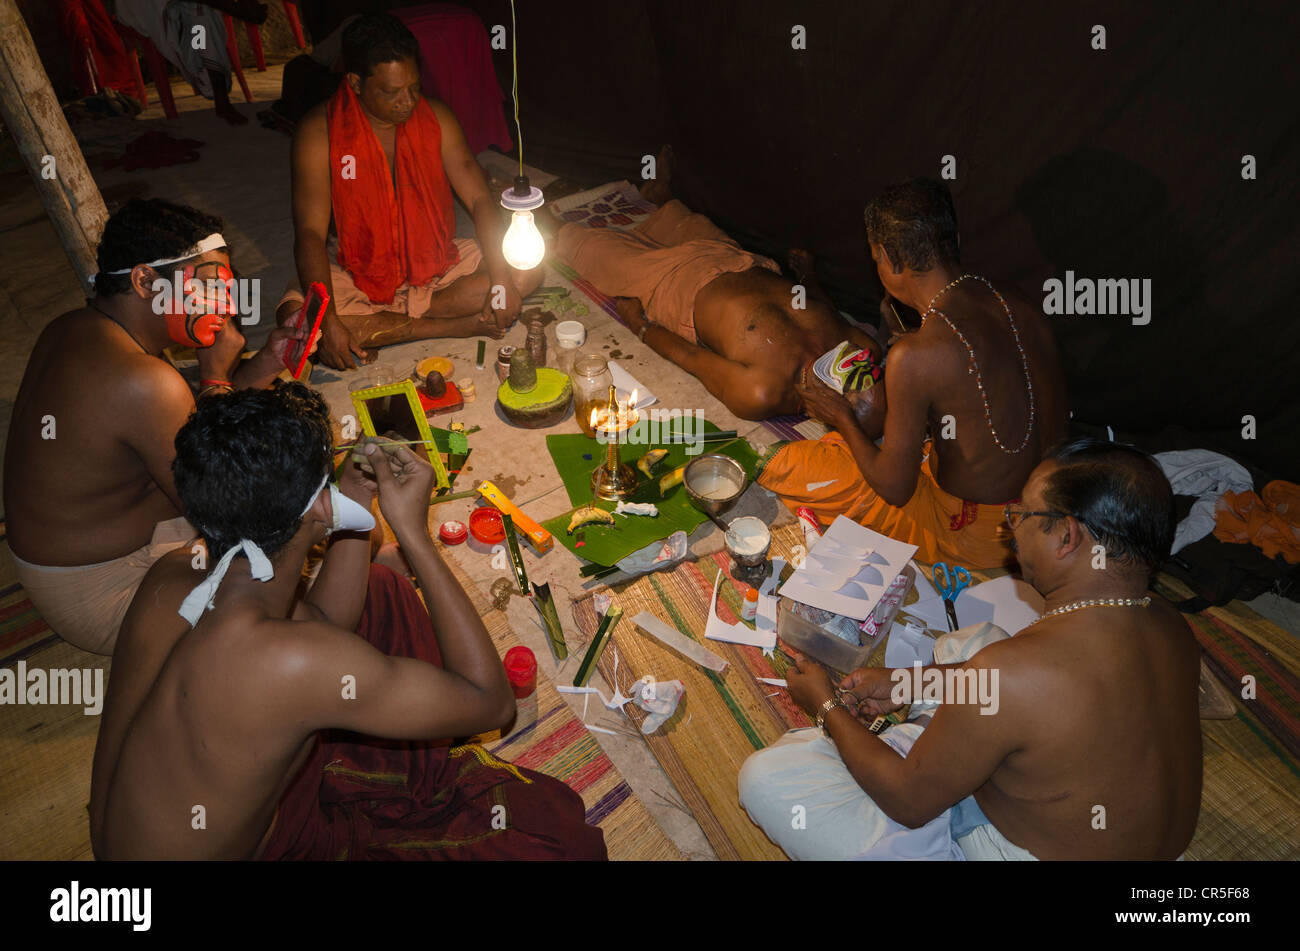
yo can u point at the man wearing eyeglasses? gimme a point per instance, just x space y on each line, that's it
1091 746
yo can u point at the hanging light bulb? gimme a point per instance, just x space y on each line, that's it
522 247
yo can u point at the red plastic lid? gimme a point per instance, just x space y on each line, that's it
453 532
485 525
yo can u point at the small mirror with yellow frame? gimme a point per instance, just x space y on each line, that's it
393 411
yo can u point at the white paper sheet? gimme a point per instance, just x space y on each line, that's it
872 560
625 383
1010 603
719 630
773 681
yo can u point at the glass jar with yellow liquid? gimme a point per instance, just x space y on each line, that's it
591 382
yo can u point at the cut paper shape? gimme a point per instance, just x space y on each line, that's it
765 620
832 548
719 630
854 589
625 383
908 644
773 681
876 559
672 638
928 607
841 565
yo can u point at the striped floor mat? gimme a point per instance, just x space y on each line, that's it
723 717
1250 802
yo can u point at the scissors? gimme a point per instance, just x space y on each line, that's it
950 582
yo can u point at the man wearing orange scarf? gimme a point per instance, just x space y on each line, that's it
380 162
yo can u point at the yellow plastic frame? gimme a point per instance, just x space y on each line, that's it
406 387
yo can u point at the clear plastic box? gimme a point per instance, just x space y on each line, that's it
835 652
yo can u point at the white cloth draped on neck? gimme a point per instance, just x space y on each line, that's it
348 516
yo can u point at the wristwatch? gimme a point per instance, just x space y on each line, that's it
826 708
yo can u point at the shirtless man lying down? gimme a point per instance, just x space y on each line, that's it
722 314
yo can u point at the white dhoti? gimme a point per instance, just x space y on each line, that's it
85 604
802 795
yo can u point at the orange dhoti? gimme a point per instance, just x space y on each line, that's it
664 262
942 526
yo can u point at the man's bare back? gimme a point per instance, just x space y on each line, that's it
192 720
970 464
1103 705
88 494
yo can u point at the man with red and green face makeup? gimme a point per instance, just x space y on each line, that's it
88 491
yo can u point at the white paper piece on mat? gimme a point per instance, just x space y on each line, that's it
767 601
907 646
625 383
719 630
846 544
773 681
1010 603
679 642
931 612
928 606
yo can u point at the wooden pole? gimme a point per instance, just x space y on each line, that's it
32 115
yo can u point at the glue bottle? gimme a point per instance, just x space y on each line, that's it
749 606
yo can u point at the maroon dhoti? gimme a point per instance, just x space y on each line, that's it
359 797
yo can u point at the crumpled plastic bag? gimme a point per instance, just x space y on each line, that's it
659 698
657 555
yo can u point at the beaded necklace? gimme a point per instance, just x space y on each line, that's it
975 367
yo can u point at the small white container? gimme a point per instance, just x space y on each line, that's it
571 333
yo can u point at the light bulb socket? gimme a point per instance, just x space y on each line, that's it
522 197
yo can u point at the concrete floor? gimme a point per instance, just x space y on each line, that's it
243 176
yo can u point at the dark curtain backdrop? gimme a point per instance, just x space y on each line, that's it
1116 163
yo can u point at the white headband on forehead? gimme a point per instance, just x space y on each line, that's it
211 243
348 517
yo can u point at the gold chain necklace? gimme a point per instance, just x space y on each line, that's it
1094 603
975 367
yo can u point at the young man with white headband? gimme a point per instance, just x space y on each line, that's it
88 489
217 739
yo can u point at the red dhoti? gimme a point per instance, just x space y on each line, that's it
360 797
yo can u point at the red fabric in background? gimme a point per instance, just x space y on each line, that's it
386 241
88 29
456 67
361 797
